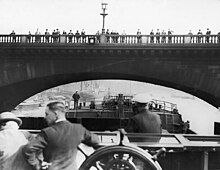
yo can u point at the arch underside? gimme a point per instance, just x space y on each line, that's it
12 95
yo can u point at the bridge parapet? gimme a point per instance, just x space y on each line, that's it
112 39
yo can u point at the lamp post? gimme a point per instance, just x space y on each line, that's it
104 7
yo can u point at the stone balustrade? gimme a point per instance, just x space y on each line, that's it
112 39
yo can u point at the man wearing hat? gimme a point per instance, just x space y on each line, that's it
144 121
11 142
59 141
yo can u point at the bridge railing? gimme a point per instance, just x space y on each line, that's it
112 39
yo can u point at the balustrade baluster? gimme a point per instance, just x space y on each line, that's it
174 39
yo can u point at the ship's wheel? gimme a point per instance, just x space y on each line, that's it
120 158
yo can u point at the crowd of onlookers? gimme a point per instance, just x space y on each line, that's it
114 36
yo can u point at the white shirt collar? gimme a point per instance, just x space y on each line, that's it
59 120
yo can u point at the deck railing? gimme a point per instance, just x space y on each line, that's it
112 39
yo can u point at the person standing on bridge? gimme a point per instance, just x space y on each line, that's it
13 36
163 39
29 37
169 36
70 36
158 36
59 141
76 98
144 121
152 36
138 36
190 36
37 36
77 35
47 36
199 36
208 33
83 35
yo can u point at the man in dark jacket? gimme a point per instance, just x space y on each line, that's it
144 121
59 141
76 98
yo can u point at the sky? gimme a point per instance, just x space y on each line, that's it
129 15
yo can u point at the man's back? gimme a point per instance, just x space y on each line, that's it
145 122
59 143
148 122
63 139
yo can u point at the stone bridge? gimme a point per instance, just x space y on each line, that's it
32 63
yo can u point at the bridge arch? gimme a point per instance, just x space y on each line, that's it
27 69
18 92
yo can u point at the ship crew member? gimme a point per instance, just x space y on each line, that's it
76 98
59 141
144 121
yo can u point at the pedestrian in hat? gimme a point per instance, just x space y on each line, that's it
144 121
11 142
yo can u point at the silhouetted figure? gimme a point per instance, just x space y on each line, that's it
47 36
169 36
13 36
191 36
70 36
152 36
158 36
163 40
107 36
98 37
29 37
76 98
54 36
77 36
57 35
37 36
83 35
199 37
208 33
138 36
